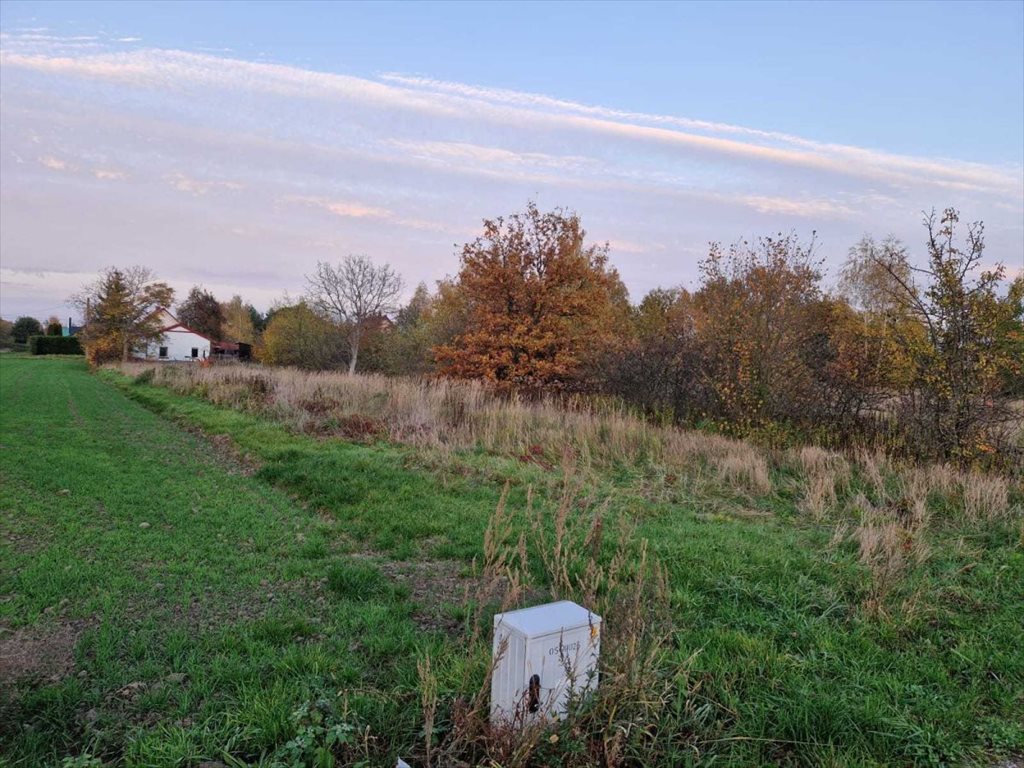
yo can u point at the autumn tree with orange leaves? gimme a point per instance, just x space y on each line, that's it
538 302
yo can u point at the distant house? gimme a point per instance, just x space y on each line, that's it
177 343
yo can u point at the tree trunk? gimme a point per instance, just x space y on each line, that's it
353 347
124 350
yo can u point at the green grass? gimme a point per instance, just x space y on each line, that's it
222 586
256 605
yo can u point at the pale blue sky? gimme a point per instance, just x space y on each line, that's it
234 144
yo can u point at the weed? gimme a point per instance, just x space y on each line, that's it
620 722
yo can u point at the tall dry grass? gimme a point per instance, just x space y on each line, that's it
826 475
450 415
611 572
986 497
445 414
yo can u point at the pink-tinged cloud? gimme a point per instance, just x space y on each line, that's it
54 163
344 208
109 174
193 186
162 68
242 175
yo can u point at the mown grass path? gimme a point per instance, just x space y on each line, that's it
178 604
171 606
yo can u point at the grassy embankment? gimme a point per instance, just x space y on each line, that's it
169 597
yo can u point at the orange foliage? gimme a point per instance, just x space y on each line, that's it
537 301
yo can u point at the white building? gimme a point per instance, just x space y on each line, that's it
178 342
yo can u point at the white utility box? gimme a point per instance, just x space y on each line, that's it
546 652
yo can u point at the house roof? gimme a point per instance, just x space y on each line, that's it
163 310
178 324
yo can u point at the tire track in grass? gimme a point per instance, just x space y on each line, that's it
208 620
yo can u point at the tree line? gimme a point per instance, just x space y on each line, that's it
23 328
922 355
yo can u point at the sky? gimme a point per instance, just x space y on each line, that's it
234 145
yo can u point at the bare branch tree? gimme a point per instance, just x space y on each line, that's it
354 293
956 400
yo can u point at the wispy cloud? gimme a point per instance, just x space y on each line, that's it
344 208
109 174
53 163
351 209
463 152
837 157
245 173
808 208
184 183
628 246
157 68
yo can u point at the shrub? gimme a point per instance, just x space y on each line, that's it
24 327
54 345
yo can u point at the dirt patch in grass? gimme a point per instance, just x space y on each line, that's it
227 451
214 610
43 652
432 584
429 584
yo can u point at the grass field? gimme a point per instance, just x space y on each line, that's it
181 582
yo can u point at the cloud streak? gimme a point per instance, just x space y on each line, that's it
242 174
344 208
53 163
161 68
199 187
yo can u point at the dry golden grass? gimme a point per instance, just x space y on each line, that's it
986 497
874 467
892 533
826 475
568 541
943 479
819 495
883 545
913 491
443 414
744 466
814 460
